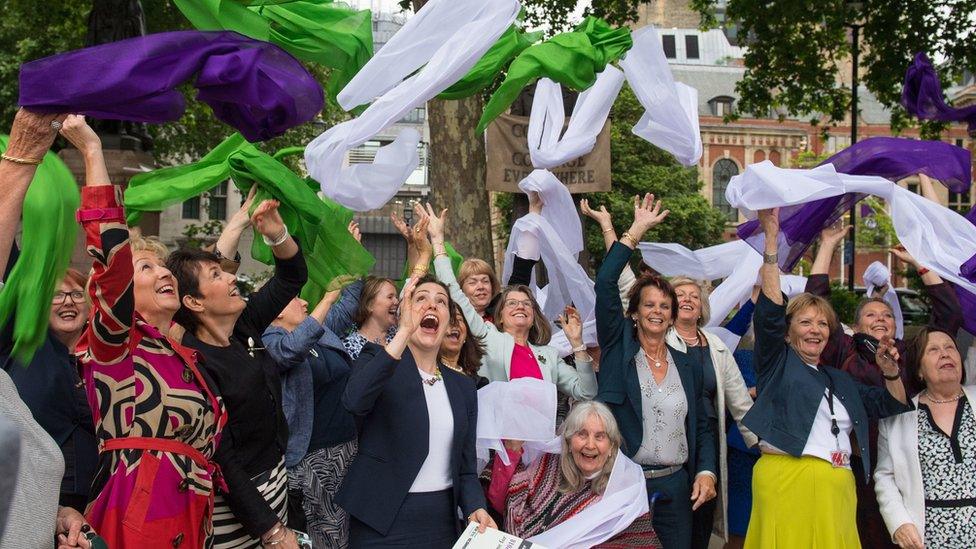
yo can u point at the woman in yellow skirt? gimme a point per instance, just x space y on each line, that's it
803 485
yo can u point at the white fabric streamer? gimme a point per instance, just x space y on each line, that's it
937 237
568 282
521 409
590 113
557 207
670 119
876 276
364 187
623 501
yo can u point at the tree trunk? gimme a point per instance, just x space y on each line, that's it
456 174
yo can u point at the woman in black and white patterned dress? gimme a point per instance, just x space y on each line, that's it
926 474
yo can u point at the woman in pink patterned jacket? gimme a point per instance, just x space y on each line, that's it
157 420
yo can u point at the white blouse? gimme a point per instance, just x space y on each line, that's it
435 473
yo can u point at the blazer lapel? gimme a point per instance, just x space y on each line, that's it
631 380
543 360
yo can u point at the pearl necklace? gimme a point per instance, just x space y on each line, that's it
948 400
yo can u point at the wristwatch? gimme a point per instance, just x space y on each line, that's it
580 349
770 258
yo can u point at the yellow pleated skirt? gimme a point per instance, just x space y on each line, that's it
801 503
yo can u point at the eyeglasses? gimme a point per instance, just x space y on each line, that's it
76 296
527 303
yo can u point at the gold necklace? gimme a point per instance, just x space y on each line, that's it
657 362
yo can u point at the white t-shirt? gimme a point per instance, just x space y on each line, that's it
435 473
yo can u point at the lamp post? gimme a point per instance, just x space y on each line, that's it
854 9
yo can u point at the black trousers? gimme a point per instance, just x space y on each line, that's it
671 512
425 520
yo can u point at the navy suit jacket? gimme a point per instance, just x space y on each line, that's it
388 395
619 385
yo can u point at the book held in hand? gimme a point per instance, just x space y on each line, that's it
491 539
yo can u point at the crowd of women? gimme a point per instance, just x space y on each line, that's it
165 409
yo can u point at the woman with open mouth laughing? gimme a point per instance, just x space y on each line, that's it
654 391
926 475
156 416
416 464
803 485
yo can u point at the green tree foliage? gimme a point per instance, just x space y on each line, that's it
639 167
798 50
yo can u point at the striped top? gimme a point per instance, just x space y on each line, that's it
534 504
141 384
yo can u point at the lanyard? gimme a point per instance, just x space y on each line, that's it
834 428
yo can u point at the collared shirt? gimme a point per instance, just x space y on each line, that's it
664 407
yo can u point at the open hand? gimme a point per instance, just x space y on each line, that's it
353 229
647 215
834 234
601 216
267 221
437 223
573 326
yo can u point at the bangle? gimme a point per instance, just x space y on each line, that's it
277 241
894 377
25 161
580 349
922 271
633 240
278 527
605 231
770 258
418 272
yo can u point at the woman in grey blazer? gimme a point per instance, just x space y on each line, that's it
516 344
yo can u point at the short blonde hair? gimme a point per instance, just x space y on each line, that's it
149 244
805 301
703 291
572 478
474 266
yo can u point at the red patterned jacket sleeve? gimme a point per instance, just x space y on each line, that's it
110 289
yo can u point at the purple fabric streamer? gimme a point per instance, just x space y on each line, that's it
967 302
922 95
968 269
256 87
890 157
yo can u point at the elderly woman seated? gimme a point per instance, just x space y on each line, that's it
926 475
557 488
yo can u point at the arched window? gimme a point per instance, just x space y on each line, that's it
722 172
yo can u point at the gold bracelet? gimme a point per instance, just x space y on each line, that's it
632 239
418 273
605 231
25 161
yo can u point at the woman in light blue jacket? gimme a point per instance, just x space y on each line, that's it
516 344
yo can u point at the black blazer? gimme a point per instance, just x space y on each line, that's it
619 385
388 395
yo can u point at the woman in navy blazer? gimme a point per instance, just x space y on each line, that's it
416 463
637 367
803 485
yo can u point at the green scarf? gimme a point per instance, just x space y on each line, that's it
48 237
320 31
573 59
510 44
332 254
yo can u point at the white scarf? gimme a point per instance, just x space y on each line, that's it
476 25
557 207
877 275
568 282
548 115
521 409
937 237
670 119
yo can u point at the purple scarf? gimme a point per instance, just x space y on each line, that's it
254 86
922 95
889 157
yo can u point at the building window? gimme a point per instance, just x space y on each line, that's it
723 171
959 202
668 44
691 46
217 205
721 106
191 208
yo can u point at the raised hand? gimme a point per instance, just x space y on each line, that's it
769 221
904 256
601 216
647 215
353 229
267 221
79 133
32 134
886 357
834 234
437 223
409 318
572 326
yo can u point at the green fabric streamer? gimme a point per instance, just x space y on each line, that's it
573 59
320 31
159 189
48 237
512 43
333 256
452 254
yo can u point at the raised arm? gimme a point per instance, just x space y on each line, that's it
579 382
30 138
830 239
946 312
528 253
769 320
442 268
626 280
230 237
107 237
